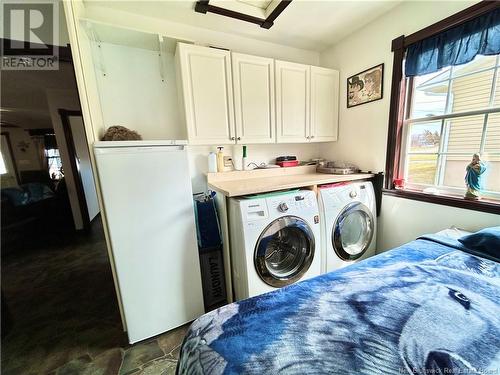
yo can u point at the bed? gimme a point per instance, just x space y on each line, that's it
429 306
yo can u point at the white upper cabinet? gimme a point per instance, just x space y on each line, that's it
292 102
230 98
207 93
253 81
324 104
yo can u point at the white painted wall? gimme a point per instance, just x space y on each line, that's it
198 157
363 129
24 150
403 220
133 94
200 35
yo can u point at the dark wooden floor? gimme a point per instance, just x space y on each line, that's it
65 318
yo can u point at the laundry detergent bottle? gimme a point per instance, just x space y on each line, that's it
220 159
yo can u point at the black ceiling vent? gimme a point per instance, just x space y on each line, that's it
204 6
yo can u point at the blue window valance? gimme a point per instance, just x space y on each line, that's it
458 45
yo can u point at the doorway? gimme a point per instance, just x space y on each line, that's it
59 305
79 158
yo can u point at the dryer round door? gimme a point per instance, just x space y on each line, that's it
353 231
284 251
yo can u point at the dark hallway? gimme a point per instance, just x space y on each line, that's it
64 314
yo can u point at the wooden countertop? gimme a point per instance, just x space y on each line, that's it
237 183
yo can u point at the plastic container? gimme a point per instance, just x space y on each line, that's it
212 162
288 163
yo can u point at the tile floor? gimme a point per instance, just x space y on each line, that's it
65 316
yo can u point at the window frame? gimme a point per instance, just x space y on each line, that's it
400 101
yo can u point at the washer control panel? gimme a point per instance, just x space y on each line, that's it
282 207
293 203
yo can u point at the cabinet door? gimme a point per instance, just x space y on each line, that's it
253 80
207 94
324 104
292 102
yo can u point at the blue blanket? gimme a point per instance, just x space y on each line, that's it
427 307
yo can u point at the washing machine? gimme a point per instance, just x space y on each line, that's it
348 223
275 241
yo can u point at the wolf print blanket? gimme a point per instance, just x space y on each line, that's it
423 308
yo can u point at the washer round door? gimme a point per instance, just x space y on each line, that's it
284 251
353 231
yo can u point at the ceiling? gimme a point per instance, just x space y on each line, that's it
23 95
307 24
262 4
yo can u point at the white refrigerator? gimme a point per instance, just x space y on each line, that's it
148 206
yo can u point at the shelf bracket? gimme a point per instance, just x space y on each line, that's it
96 47
161 48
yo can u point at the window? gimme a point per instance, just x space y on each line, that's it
54 163
446 110
450 115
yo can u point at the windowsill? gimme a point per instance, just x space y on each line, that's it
483 205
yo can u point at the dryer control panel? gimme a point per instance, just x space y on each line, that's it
341 195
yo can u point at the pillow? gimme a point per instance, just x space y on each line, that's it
486 241
453 233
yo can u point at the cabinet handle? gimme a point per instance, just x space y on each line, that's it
308 137
239 138
232 138
312 136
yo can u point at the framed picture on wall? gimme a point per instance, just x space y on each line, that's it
365 87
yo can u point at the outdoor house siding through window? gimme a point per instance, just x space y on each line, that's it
453 114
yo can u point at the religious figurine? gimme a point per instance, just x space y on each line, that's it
473 178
